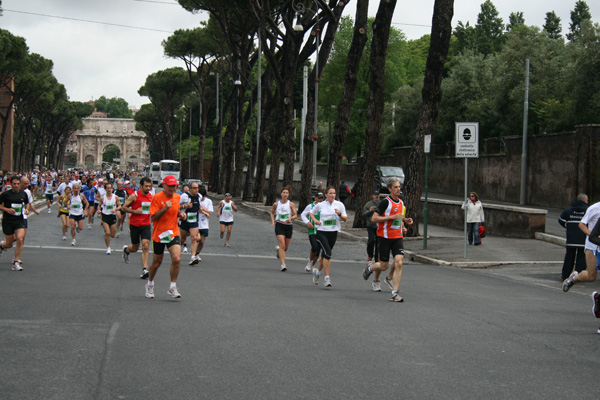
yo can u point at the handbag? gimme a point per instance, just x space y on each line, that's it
482 231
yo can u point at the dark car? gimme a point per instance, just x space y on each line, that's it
190 181
383 173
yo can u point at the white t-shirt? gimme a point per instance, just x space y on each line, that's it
109 206
76 205
226 212
30 198
330 221
591 217
203 219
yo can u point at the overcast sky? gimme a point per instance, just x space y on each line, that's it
94 60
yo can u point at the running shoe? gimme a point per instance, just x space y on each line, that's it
309 266
77 230
315 276
125 254
598 329
283 268
49 211
198 259
173 292
569 282
327 282
16 266
192 261
149 291
1 249
89 227
108 251
396 298
277 252
64 237
376 286
118 233
185 250
596 309
366 273
144 274
73 242
390 282
19 261
226 244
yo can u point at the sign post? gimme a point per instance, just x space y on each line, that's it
467 146
426 149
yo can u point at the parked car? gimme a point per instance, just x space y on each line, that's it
383 173
190 181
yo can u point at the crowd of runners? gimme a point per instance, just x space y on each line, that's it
168 218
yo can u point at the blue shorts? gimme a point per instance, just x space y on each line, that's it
50 197
186 226
203 232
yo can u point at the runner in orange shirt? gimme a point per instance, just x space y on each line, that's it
164 214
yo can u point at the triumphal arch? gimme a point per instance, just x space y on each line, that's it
97 134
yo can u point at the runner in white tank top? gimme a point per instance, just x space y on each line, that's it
283 213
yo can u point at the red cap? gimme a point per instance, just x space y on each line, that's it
169 180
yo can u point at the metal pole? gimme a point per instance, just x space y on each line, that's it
304 111
259 98
318 31
425 209
524 151
465 197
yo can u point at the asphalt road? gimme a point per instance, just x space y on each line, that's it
75 325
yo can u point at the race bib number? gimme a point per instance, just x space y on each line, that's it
397 224
122 200
18 208
192 217
283 217
49 191
166 236
109 207
75 206
146 207
330 222
227 208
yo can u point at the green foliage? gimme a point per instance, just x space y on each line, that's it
552 27
110 153
580 14
514 19
13 50
489 29
114 107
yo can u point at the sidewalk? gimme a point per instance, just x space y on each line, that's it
446 246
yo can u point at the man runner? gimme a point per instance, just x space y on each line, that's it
138 205
12 204
164 213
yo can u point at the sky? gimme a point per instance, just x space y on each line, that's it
112 60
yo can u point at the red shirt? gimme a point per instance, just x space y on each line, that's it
141 201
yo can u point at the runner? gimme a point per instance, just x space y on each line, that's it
225 211
108 206
330 212
77 212
390 217
122 195
164 213
203 224
12 203
313 256
30 207
64 202
49 188
34 182
190 204
89 191
140 228
283 213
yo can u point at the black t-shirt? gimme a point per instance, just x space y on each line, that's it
16 201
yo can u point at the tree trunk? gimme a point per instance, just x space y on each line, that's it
240 151
340 130
441 32
289 127
276 147
381 33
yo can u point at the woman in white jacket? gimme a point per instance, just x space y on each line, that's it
475 217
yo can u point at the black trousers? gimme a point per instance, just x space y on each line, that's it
372 243
574 257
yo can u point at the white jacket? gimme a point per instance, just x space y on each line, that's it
474 211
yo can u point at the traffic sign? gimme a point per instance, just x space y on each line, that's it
467 139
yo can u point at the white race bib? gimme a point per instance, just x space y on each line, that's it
166 236
145 207
17 207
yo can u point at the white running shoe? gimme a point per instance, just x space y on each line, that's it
64 237
192 261
226 244
108 250
73 242
49 210
149 291
125 254
327 282
118 233
16 266
315 276
283 268
277 252
173 292
89 227
309 266
185 250
376 286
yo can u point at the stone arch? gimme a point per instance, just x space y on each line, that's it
89 161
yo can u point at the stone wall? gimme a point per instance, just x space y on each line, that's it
560 166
